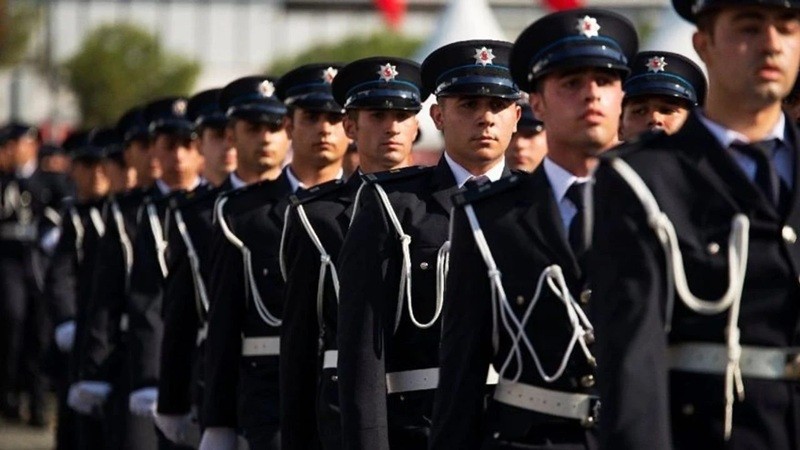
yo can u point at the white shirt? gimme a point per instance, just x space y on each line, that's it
295 182
164 189
560 180
236 182
462 175
727 137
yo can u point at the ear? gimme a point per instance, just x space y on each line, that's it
538 105
289 125
519 116
229 141
436 115
700 42
350 126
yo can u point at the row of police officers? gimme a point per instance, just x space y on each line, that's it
623 295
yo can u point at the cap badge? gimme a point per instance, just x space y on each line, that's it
266 88
656 64
329 74
698 6
588 26
388 72
179 107
483 56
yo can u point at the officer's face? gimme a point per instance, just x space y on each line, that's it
384 137
526 150
23 150
90 179
318 138
580 109
752 54
220 158
139 155
117 176
259 146
179 158
652 113
476 130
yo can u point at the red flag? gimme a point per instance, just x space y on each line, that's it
560 5
394 11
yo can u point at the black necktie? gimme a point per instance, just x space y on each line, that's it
475 182
766 178
575 231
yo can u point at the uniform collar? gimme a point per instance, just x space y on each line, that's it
236 182
462 175
295 182
560 178
726 137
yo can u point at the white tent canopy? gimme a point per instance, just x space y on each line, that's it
461 20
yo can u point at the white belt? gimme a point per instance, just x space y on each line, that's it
261 346
756 362
412 380
569 405
330 359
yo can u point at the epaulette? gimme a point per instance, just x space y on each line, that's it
307 195
474 193
396 174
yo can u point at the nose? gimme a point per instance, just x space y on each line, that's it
656 119
772 41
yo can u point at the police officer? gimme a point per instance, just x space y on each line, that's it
185 292
528 145
661 90
175 146
29 214
388 332
515 266
696 268
69 278
246 284
381 119
121 175
104 368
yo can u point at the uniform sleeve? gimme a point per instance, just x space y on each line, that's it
180 337
144 310
104 309
626 272
299 340
61 278
367 263
466 350
224 343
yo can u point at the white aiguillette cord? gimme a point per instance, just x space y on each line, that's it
194 261
554 277
738 244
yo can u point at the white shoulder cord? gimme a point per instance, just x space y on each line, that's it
194 261
581 327
355 203
281 255
250 282
405 273
125 240
158 235
11 198
97 221
738 244
79 232
443 263
325 264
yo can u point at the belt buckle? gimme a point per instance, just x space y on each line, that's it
593 417
792 368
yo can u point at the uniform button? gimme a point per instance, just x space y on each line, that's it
713 248
789 235
265 272
589 337
687 409
334 378
520 300
585 296
402 398
496 435
423 266
587 381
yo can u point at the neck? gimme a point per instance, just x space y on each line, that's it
755 122
476 168
312 176
375 166
254 176
187 182
131 178
215 177
579 162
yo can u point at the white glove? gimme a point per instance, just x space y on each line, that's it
174 426
86 396
142 402
65 336
218 438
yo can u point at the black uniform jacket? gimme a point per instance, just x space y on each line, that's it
309 393
184 311
522 224
254 215
700 188
370 263
106 325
